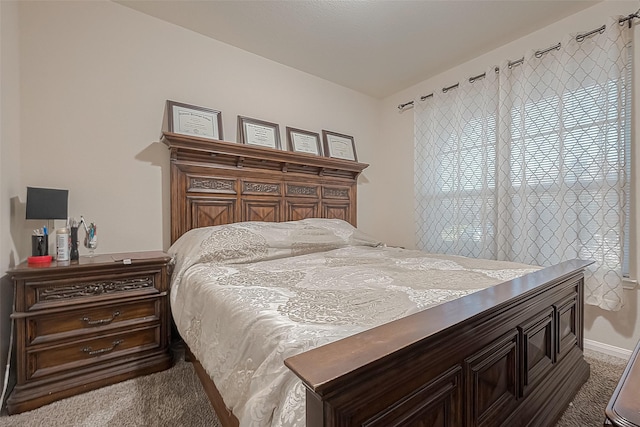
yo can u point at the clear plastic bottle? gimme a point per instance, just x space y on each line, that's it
62 244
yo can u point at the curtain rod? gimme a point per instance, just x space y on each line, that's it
629 18
538 54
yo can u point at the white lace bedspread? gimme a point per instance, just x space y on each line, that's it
246 296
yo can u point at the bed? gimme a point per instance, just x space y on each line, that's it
508 353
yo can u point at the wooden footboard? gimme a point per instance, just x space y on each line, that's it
507 355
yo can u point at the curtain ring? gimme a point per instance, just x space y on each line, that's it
580 37
479 76
539 53
445 89
516 62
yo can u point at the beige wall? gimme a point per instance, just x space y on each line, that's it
95 77
9 162
620 329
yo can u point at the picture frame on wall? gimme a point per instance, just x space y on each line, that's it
186 119
339 146
258 132
303 141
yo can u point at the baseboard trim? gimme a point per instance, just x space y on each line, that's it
611 350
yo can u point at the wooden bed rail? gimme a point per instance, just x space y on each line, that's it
472 361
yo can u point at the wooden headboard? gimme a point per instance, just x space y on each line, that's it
217 182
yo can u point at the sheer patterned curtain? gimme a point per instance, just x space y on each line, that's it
533 164
455 181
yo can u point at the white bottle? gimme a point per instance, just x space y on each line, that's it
62 244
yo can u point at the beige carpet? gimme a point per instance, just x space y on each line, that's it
175 398
587 408
170 398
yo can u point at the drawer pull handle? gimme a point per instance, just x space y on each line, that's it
102 350
101 321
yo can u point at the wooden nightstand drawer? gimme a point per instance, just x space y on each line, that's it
59 326
78 354
77 290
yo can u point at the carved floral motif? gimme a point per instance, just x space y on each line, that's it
259 187
211 184
89 289
338 193
301 190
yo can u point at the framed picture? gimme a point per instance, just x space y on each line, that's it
258 132
339 146
188 119
303 141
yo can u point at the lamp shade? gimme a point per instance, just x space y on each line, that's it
47 203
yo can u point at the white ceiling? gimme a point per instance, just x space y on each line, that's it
374 47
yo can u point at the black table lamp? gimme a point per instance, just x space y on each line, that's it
45 203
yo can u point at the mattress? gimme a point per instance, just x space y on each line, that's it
246 296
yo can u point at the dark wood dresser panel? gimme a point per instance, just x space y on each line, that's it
87 324
623 409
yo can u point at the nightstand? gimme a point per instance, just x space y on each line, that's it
85 324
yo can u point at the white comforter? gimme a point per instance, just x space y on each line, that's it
246 296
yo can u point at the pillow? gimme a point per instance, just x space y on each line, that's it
244 242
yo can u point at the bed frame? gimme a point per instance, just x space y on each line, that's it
509 355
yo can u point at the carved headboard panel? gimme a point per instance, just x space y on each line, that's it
217 182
